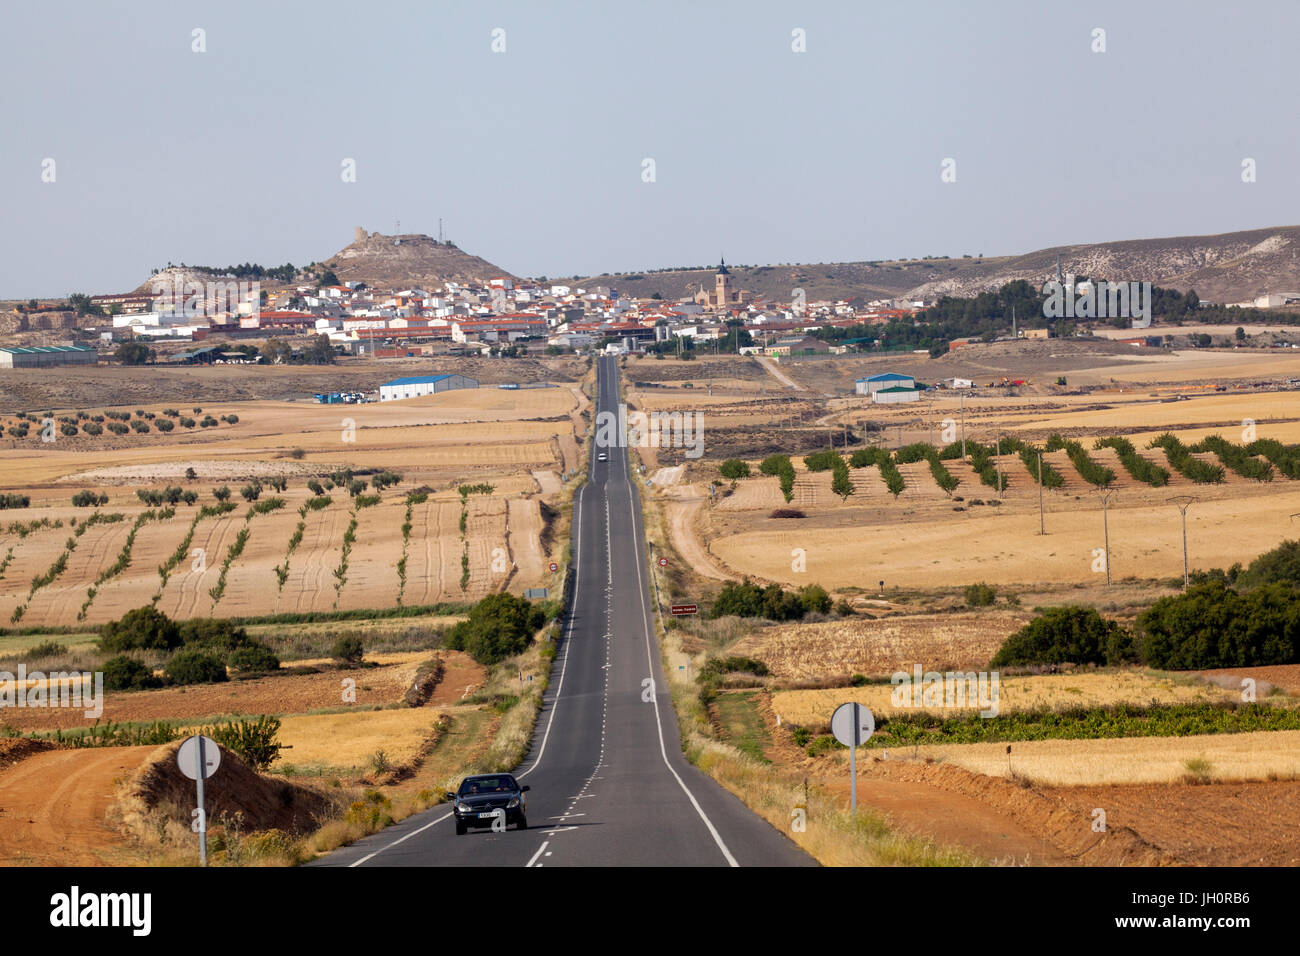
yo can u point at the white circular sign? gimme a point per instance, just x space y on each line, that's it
849 718
187 758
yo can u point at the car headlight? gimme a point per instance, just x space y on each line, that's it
512 804
464 807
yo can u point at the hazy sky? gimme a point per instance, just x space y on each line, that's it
534 156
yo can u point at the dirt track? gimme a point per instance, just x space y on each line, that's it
682 512
54 806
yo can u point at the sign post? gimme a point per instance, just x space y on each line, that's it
198 758
852 724
678 610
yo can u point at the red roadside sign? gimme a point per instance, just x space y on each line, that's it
663 562
680 609
554 566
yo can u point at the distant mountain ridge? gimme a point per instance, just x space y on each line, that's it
1226 268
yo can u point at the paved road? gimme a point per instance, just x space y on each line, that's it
610 786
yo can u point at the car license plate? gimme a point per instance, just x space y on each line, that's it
485 816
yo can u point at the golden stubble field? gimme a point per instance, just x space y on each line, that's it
513 440
923 538
962 640
813 708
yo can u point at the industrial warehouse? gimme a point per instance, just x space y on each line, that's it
414 386
43 356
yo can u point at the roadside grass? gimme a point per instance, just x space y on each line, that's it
818 823
742 725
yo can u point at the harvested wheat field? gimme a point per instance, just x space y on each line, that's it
811 708
1004 548
1259 755
281 694
346 743
935 641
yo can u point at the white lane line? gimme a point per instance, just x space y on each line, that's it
559 689
568 633
537 854
371 856
645 623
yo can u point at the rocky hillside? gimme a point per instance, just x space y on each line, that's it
394 262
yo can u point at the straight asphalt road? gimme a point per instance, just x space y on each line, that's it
609 784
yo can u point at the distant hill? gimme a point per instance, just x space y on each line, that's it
1230 267
394 262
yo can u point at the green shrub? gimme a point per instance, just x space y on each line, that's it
1061 635
1211 626
348 650
256 742
980 595
144 628
499 626
127 673
195 667
1141 469
734 468
253 658
1180 457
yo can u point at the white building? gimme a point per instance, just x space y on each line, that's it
416 385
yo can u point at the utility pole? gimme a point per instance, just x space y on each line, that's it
963 426
1182 503
999 460
1041 528
1105 520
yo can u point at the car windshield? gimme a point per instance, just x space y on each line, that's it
487 785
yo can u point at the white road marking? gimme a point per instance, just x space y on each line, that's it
537 854
559 688
645 623
399 840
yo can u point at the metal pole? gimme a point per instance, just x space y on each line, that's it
999 459
203 812
853 762
1105 520
963 426
1041 528
1185 576
1182 503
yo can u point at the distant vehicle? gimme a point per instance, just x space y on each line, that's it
483 798
602 457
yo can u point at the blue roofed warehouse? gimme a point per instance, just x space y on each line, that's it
414 386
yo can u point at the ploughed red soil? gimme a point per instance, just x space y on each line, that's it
54 806
1284 676
998 819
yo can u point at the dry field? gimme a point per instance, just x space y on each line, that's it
284 694
963 641
1130 760
496 436
345 743
1003 547
812 708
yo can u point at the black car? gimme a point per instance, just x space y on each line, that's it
484 797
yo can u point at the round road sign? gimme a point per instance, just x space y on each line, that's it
187 758
663 562
554 566
852 724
